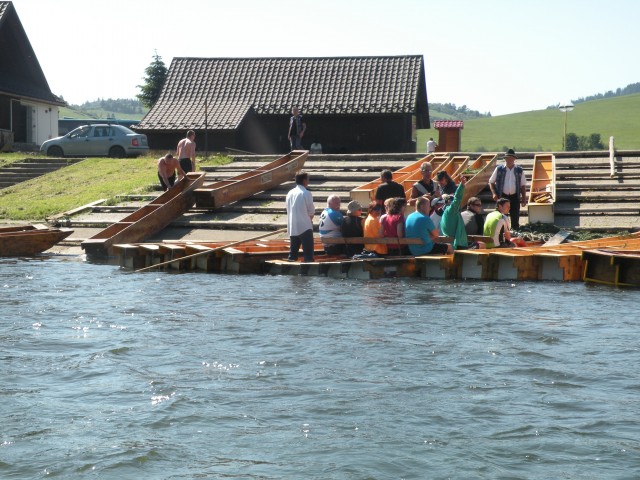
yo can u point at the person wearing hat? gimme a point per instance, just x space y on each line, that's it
352 226
437 208
452 224
509 181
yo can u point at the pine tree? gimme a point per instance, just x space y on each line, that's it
156 74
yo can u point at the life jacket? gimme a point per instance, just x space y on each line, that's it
502 172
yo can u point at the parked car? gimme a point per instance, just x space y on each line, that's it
97 140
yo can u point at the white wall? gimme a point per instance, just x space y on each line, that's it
44 122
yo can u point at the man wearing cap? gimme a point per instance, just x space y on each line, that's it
509 181
352 226
437 209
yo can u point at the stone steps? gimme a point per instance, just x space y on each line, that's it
30 168
587 197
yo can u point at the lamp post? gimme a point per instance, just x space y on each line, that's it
566 108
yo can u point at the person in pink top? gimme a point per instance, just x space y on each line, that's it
392 226
186 152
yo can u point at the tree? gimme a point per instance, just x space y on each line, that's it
156 74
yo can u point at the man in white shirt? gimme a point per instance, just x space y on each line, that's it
509 181
300 212
431 146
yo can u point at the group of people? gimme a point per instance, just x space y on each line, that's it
438 211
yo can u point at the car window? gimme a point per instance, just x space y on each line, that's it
108 132
80 132
124 130
97 132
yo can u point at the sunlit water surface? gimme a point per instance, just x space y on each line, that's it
109 374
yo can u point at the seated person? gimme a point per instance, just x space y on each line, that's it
372 229
437 209
167 167
419 225
452 224
388 188
392 225
445 183
330 224
498 226
425 186
352 226
315 147
472 217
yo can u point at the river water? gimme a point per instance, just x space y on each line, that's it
111 374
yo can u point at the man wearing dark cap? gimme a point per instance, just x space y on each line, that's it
509 181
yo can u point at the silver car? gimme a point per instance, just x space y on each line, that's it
97 140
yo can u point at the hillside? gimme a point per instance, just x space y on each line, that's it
123 109
543 130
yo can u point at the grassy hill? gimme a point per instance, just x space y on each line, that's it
543 130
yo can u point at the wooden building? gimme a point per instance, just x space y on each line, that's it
449 135
350 104
28 109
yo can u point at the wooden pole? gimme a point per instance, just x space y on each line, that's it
282 230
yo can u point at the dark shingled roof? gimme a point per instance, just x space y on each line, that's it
319 86
21 73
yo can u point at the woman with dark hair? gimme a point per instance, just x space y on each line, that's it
446 183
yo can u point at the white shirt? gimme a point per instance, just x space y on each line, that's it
509 187
300 210
503 222
431 146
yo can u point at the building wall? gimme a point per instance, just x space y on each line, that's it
30 122
336 133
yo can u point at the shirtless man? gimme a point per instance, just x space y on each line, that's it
167 167
186 152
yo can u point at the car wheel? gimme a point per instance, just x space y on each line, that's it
116 152
55 151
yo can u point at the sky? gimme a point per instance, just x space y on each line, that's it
497 56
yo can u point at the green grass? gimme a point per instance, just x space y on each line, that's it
543 130
82 183
96 113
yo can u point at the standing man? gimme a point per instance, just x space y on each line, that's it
509 181
300 212
431 146
167 167
186 152
297 127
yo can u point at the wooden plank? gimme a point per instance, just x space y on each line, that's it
147 220
241 186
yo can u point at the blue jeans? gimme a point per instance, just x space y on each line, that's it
296 142
306 240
